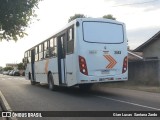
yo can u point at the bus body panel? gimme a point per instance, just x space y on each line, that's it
40 74
70 70
44 67
53 68
102 62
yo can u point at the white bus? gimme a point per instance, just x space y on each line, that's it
86 51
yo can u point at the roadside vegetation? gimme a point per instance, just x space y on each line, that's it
108 16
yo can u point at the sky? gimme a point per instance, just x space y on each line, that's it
140 16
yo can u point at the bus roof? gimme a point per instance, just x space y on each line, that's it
98 19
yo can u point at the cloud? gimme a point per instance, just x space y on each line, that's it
138 36
152 8
148 5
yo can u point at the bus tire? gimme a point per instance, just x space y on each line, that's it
85 87
51 83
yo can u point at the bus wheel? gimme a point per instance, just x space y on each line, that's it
51 83
85 87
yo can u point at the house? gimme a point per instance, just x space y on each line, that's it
151 48
134 56
146 71
12 65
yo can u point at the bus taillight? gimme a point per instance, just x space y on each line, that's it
125 64
83 65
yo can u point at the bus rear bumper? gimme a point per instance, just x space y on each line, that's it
100 79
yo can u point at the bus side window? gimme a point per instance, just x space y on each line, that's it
55 47
47 55
51 47
28 57
62 40
70 41
40 51
36 54
45 49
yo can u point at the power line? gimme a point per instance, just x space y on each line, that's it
134 3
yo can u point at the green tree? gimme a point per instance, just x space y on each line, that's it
7 68
15 16
76 16
21 66
109 16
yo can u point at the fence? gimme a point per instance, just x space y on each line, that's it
146 72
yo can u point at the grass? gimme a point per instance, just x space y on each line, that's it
132 86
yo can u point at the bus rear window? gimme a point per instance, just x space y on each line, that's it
103 32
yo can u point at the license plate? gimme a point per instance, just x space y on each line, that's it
105 71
